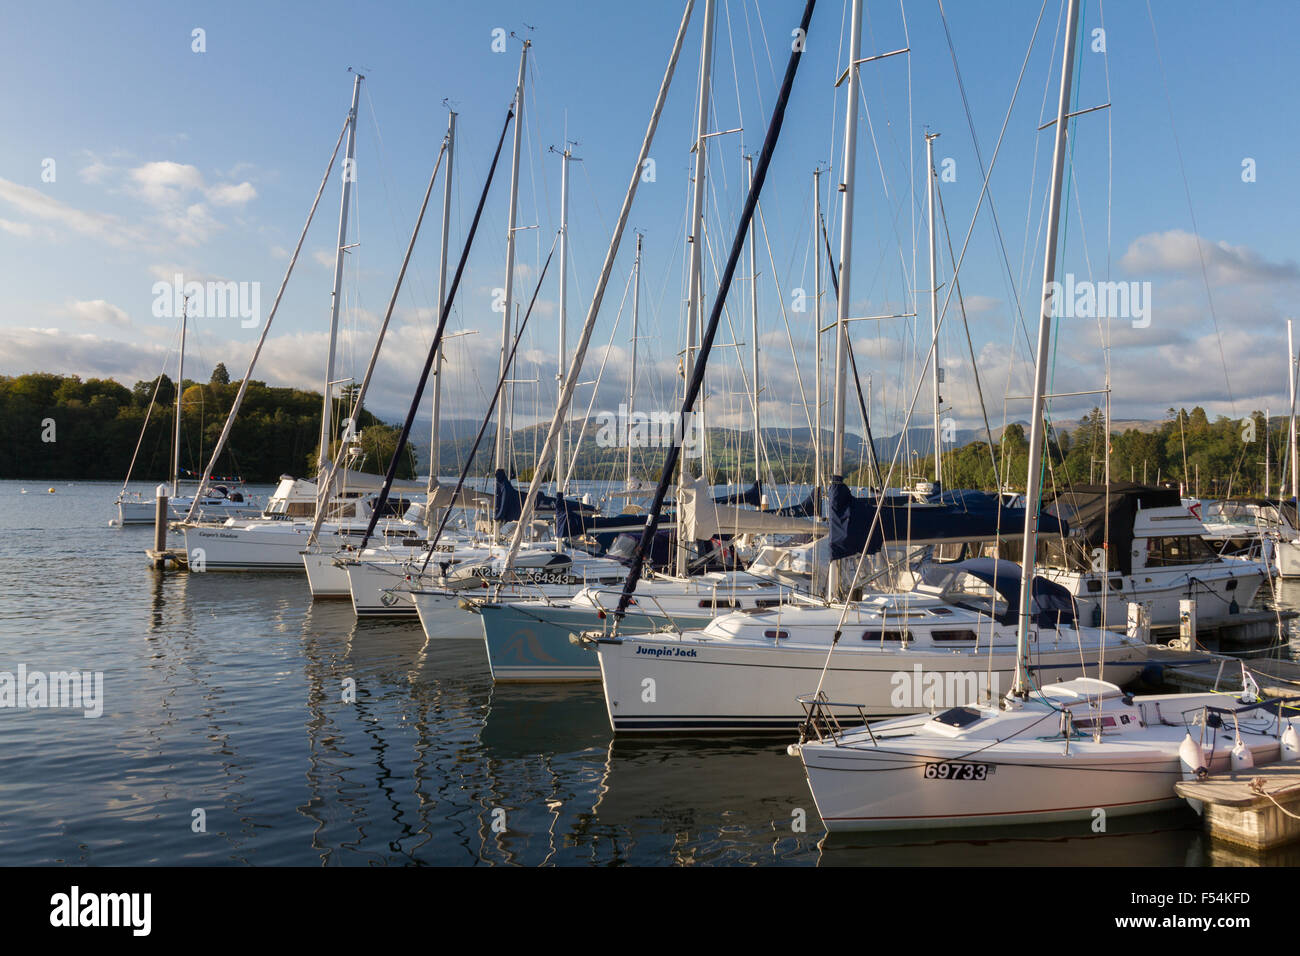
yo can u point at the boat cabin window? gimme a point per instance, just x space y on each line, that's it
720 604
884 635
395 508
299 509
959 716
1090 722
767 602
341 509
1178 550
952 634
775 635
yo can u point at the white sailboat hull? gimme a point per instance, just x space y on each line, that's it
702 685
272 546
866 788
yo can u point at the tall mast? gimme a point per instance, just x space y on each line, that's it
695 281
636 310
349 176
510 246
435 439
565 156
180 387
598 296
1268 463
846 259
934 307
817 331
1033 487
753 309
1291 367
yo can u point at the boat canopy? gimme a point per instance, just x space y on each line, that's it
1051 602
1093 509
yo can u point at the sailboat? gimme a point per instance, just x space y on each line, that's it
1045 752
746 671
219 502
275 541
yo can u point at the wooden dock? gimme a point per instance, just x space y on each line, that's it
168 559
1258 808
1276 678
1246 629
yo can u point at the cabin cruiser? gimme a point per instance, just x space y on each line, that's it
1132 543
1243 527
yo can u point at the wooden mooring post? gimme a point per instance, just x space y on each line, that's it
160 556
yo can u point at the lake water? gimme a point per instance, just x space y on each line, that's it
223 705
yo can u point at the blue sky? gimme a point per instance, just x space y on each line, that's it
168 160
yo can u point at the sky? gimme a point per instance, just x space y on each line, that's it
137 149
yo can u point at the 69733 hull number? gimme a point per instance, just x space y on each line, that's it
953 770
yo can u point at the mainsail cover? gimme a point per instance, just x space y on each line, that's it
702 517
508 501
753 496
954 516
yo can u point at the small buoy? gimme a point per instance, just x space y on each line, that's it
1191 757
1242 758
1290 745
1193 762
51 491
23 492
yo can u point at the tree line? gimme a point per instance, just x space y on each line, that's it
58 426
1211 459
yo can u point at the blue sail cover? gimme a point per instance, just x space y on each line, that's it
959 515
809 508
508 501
572 522
753 495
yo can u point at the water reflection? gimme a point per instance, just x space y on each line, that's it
226 693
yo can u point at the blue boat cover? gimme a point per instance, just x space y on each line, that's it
1052 603
508 501
958 515
809 508
753 495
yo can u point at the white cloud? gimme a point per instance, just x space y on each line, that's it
227 194
191 225
23 229
1181 253
166 183
37 204
98 312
